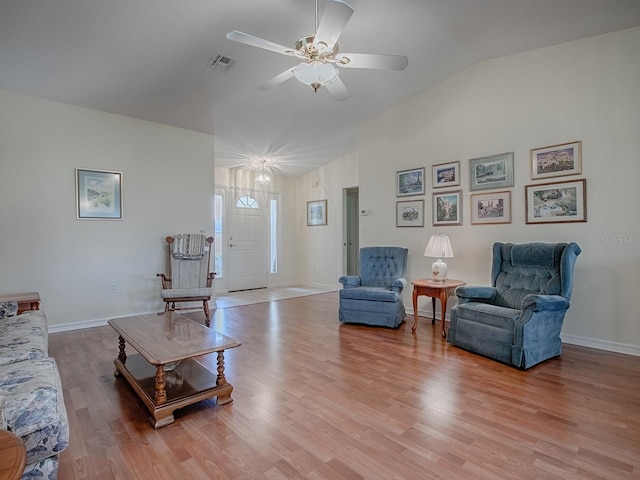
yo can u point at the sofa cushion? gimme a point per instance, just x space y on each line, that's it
186 292
23 337
487 314
34 408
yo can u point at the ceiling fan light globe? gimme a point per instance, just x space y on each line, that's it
315 74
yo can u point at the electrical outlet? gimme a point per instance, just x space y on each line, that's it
112 288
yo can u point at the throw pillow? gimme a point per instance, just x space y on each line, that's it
8 309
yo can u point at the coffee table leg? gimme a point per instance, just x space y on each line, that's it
224 396
161 393
122 355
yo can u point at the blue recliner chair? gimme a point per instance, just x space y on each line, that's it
519 318
375 296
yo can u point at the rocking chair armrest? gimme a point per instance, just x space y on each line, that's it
166 281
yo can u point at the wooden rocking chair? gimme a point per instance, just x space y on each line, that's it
190 278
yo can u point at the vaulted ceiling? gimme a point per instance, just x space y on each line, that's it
149 59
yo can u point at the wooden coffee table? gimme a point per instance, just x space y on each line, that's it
164 372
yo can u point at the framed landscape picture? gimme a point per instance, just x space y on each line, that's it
446 174
494 171
556 160
317 213
98 194
410 213
410 182
494 207
447 208
557 202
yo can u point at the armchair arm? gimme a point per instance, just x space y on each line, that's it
350 281
545 303
471 293
166 281
398 285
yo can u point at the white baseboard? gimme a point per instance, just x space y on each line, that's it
601 344
97 322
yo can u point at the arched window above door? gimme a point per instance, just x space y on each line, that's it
247 202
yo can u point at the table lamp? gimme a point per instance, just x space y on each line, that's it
439 247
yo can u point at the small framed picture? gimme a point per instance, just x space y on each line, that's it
446 174
410 213
494 171
558 202
410 182
98 194
494 207
317 213
556 160
447 208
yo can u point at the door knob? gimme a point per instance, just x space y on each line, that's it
231 245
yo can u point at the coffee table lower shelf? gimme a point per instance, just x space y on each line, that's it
198 383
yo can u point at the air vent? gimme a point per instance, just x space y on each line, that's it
221 61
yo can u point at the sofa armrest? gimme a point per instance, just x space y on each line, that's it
3 418
350 281
545 303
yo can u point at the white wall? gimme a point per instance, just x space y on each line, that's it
586 90
319 257
167 187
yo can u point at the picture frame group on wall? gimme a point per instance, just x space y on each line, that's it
556 160
410 182
410 213
98 194
491 208
445 175
491 172
316 213
556 202
447 208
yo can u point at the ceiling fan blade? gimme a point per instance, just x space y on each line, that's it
258 42
334 19
372 60
338 90
277 80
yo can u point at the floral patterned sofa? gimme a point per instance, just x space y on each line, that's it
31 401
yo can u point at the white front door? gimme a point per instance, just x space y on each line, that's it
247 242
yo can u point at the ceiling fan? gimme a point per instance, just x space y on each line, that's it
320 53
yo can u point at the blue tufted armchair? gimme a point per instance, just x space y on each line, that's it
375 296
519 318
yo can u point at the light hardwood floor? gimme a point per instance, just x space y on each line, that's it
314 399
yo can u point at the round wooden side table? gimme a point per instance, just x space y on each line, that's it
13 456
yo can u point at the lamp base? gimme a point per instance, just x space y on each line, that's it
439 271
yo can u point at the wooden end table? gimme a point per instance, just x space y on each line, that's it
26 301
13 456
433 289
